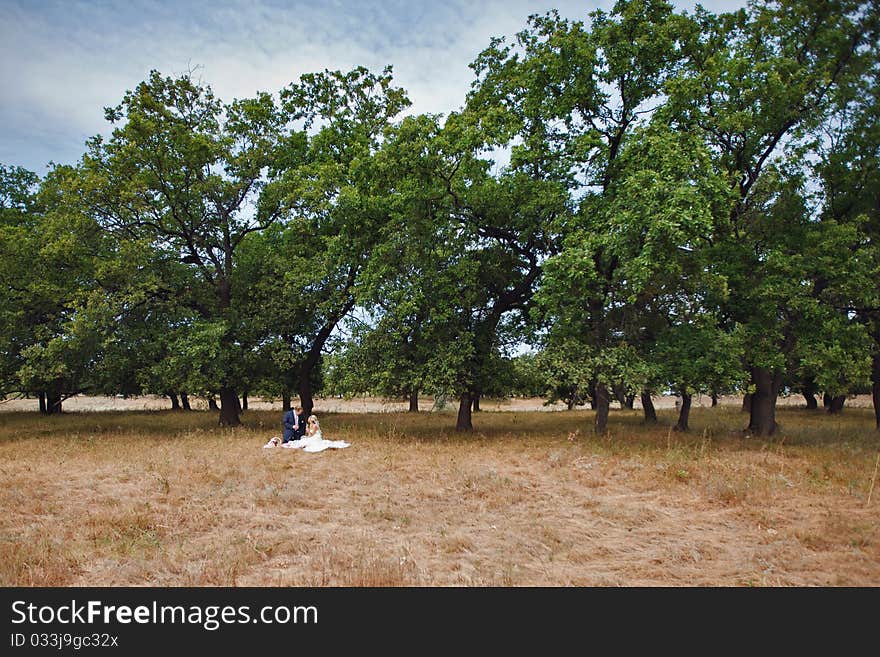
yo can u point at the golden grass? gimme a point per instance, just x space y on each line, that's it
529 499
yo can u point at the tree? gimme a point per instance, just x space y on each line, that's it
528 379
52 260
597 86
849 169
661 207
443 280
756 81
511 222
334 200
19 212
408 289
180 174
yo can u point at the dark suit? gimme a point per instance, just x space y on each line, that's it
293 426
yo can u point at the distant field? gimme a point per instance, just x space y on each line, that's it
167 498
376 405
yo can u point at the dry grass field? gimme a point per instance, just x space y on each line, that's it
162 498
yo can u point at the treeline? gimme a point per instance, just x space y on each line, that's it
651 200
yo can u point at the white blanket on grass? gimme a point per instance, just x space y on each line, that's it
315 443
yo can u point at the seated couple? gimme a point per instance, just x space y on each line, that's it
300 433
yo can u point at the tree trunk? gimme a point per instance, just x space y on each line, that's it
53 403
762 417
836 405
175 403
229 408
594 401
826 400
244 400
305 392
184 401
684 412
313 356
747 403
464 413
875 387
43 403
414 401
809 391
475 402
714 399
285 401
212 404
648 408
619 394
603 405
630 401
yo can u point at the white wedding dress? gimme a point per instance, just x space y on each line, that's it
315 443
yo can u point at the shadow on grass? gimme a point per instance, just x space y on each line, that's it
627 431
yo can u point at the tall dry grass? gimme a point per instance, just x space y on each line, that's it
169 499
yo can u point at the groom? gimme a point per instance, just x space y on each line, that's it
293 425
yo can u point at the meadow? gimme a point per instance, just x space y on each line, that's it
163 498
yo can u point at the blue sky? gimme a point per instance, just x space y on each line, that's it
63 61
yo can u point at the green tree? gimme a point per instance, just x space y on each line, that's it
661 207
848 167
757 82
593 86
51 263
406 296
440 283
181 174
335 201
19 223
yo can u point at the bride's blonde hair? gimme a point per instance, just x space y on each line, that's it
313 418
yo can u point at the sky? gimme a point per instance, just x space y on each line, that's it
63 61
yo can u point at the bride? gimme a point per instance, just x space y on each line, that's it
313 440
